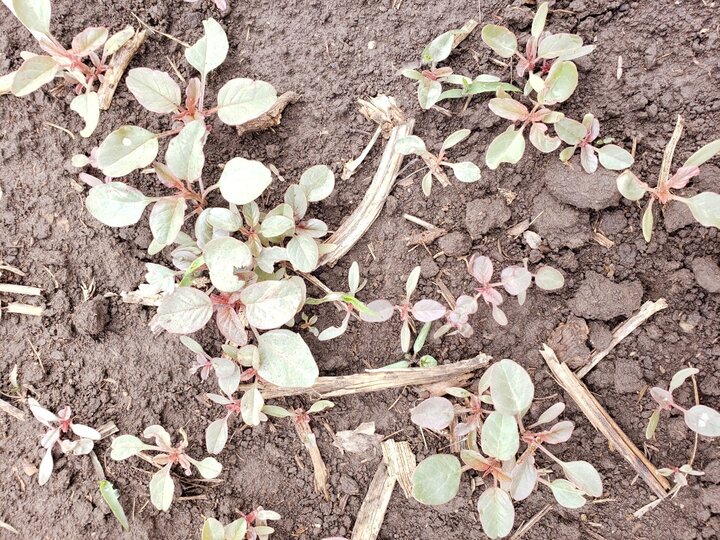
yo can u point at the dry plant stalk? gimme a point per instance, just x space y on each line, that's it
604 423
522 531
465 30
647 310
25 309
9 288
320 472
271 118
12 410
377 380
118 64
397 465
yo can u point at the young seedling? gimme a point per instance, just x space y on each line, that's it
411 359
162 486
508 388
705 207
61 425
375 311
79 67
250 526
228 373
301 421
679 475
465 171
582 135
701 419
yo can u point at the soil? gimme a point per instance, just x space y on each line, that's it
100 357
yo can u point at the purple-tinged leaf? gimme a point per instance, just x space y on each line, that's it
428 310
434 413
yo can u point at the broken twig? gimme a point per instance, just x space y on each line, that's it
12 410
271 118
118 64
320 472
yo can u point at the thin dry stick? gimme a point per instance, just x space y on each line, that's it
377 380
647 310
602 421
401 463
464 32
355 226
522 531
12 410
271 118
25 309
321 476
670 152
118 64
20 289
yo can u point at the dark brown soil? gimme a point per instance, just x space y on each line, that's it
101 358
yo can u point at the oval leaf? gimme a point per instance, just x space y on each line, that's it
630 186
162 488
244 180
511 388
584 476
567 494
499 437
705 208
87 105
126 149
224 256
184 311
508 147
34 72
285 360
434 413
615 158
184 154
241 100
166 219
497 513
436 480
116 204
318 182
560 83
155 90
499 39
210 50
703 420
270 304
549 279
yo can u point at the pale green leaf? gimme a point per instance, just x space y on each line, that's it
184 311
584 476
567 494
508 147
652 424
549 279
208 467
439 48
274 226
116 204
511 388
317 182
454 138
705 208
167 218
213 530
703 420
34 14
117 40
497 513
34 72
538 24
216 435
556 45
541 140
500 39
223 257
241 100
155 90
237 530
111 497
127 149
429 92
436 479
162 488
465 171
303 253
499 437
648 221
270 304
88 40
210 50
508 108
560 83
680 377
524 479
570 131
410 144
704 154
433 413
615 158
630 186
184 155
224 219
87 105
244 180
285 360
126 446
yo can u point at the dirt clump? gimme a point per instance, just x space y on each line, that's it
600 298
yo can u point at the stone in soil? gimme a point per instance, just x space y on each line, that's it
90 317
455 244
483 215
559 224
707 273
602 299
570 184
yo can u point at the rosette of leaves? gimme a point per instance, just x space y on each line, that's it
162 486
464 171
80 67
252 525
702 419
507 387
431 78
705 206
582 135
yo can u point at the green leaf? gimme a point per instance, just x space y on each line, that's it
303 253
648 221
703 420
508 108
125 150
436 479
155 90
538 24
89 40
320 406
413 74
411 144
237 530
87 105
524 479
162 488
126 446
111 497
556 45
541 140
216 435
184 311
497 513
184 155
549 279
34 72
499 39
680 377
465 171
34 14
652 424
508 147
499 437
705 208
213 530
433 413
117 40
223 257
705 153
251 405
270 304
116 204
244 180
318 182
241 100
567 494
429 92
584 476
210 50
615 158
224 219
274 226
570 131
511 388
439 48
285 360
454 138
630 186
166 219
559 84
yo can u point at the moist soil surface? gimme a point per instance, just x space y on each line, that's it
99 356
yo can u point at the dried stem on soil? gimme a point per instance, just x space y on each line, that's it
377 380
25 309
271 118
604 423
464 32
118 64
307 437
647 310
20 289
13 411
522 531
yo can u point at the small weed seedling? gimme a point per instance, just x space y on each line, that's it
508 387
61 425
410 359
79 67
227 372
465 171
375 311
679 476
699 418
582 135
705 207
162 486
431 79
250 526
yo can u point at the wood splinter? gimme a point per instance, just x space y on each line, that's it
118 64
271 118
320 472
